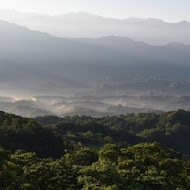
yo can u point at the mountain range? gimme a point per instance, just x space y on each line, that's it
31 59
81 24
34 63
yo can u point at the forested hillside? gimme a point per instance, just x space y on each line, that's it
25 134
172 129
129 152
143 166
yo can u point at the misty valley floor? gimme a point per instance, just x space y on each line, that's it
96 105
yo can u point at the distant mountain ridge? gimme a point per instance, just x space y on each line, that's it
85 25
31 59
41 47
107 69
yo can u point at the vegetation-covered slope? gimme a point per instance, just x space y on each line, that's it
171 129
22 133
143 166
109 153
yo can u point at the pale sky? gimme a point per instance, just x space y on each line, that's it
168 10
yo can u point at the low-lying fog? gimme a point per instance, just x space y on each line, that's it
92 105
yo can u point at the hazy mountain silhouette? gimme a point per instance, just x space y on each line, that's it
83 24
40 63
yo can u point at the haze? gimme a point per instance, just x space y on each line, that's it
170 10
94 95
91 58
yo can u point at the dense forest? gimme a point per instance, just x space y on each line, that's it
128 152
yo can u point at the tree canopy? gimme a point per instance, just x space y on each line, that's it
130 152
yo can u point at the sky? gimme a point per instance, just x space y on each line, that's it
168 10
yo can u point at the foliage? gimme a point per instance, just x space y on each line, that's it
171 129
23 133
142 166
84 153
